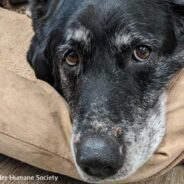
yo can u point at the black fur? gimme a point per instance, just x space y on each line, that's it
17 2
108 84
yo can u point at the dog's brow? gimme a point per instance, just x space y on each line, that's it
122 39
78 34
126 39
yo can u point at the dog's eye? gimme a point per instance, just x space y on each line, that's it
142 53
72 58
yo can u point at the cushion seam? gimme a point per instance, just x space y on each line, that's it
41 148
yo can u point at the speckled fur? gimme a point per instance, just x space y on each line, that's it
111 94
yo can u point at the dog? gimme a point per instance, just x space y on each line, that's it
112 61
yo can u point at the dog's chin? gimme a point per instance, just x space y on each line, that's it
137 152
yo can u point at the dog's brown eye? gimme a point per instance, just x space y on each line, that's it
142 53
72 58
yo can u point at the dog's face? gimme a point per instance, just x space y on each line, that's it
111 60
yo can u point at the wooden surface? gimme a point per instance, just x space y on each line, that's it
12 167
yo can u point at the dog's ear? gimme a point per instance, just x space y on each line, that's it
178 12
38 61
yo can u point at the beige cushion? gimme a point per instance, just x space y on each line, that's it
35 123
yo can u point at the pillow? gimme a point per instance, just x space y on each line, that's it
35 125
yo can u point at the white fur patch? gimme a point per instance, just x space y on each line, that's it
122 39
147 140
79 34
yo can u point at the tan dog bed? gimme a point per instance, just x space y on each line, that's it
35 124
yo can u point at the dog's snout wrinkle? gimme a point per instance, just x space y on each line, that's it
99 156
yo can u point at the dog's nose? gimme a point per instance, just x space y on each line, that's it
99 156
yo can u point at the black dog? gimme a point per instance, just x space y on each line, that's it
112 61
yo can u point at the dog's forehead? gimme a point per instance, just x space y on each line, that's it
122 13
121 20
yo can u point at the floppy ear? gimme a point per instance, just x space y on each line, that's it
38 61
178 12
36 54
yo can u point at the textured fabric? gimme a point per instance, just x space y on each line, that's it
35 123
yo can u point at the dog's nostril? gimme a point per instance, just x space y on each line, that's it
87 169
106 171
99 157
109 170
